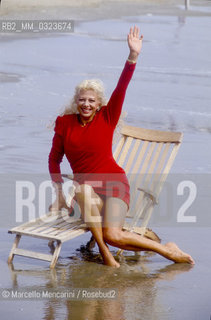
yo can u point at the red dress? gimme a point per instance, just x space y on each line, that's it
89 148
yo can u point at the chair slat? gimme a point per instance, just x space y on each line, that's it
49 217
171 158
132 156
136 204
140 157
62 228
45 226
155 158
134 172
55 229
64 234
150 173
119 147
141 174
125 150
148 158
163 158
167 169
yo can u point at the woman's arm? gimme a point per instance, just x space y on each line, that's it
54 160
114 106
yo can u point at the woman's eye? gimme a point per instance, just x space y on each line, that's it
83 100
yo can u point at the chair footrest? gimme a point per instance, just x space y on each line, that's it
32 254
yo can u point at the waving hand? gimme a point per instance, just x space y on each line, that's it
134 43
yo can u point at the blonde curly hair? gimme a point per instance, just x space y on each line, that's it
91 84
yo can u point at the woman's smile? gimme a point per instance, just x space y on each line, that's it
88 103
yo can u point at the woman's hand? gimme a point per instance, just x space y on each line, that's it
134 42
58 204
60 201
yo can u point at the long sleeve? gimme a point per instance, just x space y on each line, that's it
114 106
56 153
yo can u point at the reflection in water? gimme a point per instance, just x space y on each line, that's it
135 283
178 31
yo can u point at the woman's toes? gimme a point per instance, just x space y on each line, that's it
178 255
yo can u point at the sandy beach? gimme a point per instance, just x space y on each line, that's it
170 90
98 9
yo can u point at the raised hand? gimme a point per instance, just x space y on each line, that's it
134 43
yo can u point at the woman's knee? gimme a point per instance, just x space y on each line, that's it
86 196
112 236
83 191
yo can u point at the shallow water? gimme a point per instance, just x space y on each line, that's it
170 90
150 288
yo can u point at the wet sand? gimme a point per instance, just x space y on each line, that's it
170 90
97 9
151 288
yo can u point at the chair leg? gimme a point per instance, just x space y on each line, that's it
14 246
56 254
51 246
91 243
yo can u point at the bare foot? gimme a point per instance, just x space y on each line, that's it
109 259
177 255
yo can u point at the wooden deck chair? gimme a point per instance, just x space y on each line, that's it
146 156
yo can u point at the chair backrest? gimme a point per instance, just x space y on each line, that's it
147 157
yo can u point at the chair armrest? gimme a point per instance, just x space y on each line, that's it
68 176
150 195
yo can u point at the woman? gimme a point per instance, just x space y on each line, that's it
85 137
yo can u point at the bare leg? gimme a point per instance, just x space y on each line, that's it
91 205
114 216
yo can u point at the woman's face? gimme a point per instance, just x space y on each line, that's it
87 103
